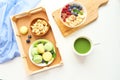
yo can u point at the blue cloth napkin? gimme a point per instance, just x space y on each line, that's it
8 46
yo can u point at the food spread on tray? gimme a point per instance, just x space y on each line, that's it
42 52
73 14
36 40
39 27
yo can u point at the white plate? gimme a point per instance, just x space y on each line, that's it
32 46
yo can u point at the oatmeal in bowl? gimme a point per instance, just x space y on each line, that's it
73 14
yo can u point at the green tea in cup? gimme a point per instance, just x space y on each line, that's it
82 46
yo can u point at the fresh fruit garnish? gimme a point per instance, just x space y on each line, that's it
28 41
69 10
29 36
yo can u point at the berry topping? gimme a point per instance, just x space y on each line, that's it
70 12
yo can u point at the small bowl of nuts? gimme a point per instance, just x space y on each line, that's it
73 14
39 27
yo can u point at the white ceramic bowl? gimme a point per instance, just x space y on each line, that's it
88 52
40 26
79 12
31 56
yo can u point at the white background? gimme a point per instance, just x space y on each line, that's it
102 64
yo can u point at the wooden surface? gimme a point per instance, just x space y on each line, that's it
92 14
25 19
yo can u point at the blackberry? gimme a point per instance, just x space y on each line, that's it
28 41
79 7
29 36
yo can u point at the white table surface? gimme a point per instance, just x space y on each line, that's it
102 64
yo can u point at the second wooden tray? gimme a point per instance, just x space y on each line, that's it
92 13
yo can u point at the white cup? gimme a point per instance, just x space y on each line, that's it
80 49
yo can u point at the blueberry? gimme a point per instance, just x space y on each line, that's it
43 61
71 7
74 7
28 41
79 7
29 36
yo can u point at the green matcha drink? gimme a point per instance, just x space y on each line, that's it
82 45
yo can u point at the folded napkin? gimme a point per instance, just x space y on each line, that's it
8 46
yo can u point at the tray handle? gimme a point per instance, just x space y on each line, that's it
36 10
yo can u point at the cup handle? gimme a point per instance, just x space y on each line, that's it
95 44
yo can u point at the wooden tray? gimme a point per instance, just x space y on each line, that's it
25 19
92 13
